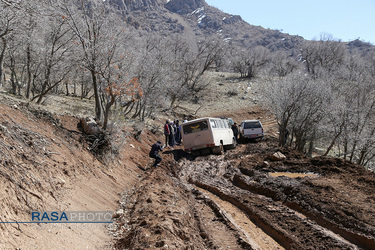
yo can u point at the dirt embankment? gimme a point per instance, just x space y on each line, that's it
46 166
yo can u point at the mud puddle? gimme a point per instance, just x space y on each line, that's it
293 175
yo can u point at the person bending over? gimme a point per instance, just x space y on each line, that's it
154 153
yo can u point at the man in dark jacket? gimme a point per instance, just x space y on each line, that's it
154 153
235 130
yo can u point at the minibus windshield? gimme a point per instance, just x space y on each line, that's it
195 127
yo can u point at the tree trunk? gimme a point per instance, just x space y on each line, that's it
42 94
107 112
67 88
345 149
353 150
335 138
2 60
82 89
28 68
282 135
44 86
98 111
13 82
311 146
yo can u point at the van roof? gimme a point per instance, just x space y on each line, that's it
202 119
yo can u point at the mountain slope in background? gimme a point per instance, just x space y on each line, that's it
196 18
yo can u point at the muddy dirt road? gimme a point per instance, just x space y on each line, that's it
244 199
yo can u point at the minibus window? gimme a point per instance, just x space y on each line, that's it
217 124
221 125
226 124
213 124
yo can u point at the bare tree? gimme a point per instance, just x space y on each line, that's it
188 65
282 64
370 63
116 79
14 65
323 55
336 121
351 120
248 63
8 23
209 52
31 44
298 104
56 49
152 69
89 22
169 70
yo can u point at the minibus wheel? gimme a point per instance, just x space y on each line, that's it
234 143
220 149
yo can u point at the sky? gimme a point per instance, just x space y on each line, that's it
346 20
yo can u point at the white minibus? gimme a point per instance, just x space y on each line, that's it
208 134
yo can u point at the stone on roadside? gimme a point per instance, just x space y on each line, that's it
278 156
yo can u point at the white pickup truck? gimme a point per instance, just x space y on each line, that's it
251 129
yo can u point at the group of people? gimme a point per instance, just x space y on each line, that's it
172 133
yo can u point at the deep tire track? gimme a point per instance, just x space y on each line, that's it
293 233
249 238
355 238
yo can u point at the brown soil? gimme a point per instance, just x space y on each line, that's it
231 201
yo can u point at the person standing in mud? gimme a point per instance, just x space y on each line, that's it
235 131
177 135
154 153
167 132
172 141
